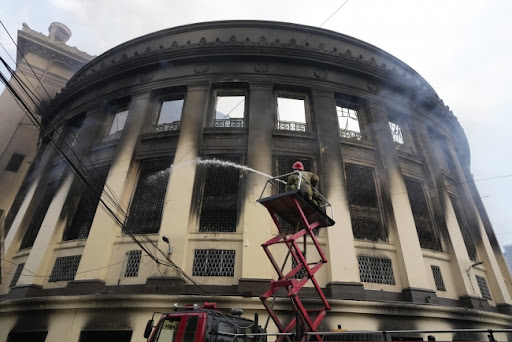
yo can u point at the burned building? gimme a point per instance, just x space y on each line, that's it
178 132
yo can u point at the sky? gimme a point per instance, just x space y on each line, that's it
463 49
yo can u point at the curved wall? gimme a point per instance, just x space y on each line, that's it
411 237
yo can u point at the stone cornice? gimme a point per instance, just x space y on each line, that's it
35 42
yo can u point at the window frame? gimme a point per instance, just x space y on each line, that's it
226 91
174 96
111 111
294 95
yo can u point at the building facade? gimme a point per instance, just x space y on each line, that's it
171 128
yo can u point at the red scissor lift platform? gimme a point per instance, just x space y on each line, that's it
306 217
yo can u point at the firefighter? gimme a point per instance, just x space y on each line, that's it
308 183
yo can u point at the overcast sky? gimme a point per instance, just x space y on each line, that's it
462 48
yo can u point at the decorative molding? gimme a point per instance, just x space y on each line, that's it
147 76
321 74
372 87
201 68
261 67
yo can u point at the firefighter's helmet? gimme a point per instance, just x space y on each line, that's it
298 166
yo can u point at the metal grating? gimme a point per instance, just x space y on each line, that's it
438 278
426 234
65 268
37 219
133 263
17 274
84 213
364 207
376 270
484 289
468 241
214 263
302 272
219 207
147 204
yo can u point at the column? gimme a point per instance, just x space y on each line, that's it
409 254
104 229
257 224
494 277
454 241
342 265
177 208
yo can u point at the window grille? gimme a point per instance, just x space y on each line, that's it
86 209
133 263
302 272
364 206
438 278
426 234
219 208
147 204
348 123
15 162
376 270
38 217
484 289
65 268
214 263
468 241
17 274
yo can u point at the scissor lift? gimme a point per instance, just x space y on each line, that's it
305 216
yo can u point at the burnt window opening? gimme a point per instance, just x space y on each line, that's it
449 163
220 201
119 117
83 217
396 134
14 163
17 274
438 278
291 113
214 263
464 229
348 120
65 268
133 263
427 235
23 336
170 115
484 289
75 125
375 270
229 110
145 214
363 202
39 215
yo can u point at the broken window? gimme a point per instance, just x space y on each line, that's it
291 113
424 226
229 110
219 208
39 215
170 115
117 125
396 133
348 121
80 225
214 263
145 212
466 235
363 202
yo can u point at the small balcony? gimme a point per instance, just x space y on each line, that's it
291 126
168 126
229 123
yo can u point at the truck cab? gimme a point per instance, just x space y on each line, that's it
192 323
